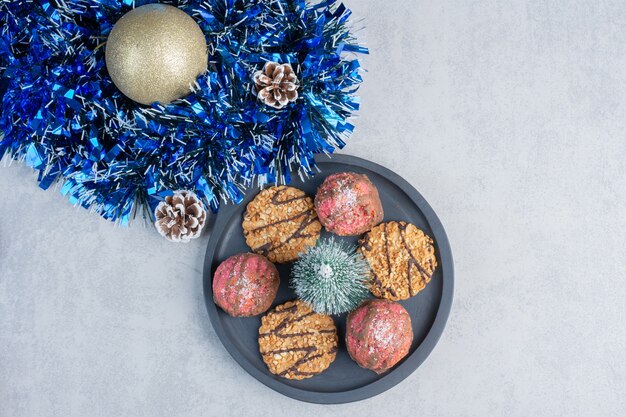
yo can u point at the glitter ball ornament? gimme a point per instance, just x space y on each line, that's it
331 277
155 53
180 217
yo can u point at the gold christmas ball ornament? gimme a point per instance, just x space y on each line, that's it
155 53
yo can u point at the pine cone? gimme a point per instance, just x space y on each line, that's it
276 84
180 217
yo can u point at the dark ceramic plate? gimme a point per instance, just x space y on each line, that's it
344 381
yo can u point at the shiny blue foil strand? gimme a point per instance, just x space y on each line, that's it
61 114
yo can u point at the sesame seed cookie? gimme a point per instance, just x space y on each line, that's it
280 223
296 342
401 257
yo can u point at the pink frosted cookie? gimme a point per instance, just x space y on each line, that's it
378 334
245 285
347 204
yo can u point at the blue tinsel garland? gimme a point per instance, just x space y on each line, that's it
61 113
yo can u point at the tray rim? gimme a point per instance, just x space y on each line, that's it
410 364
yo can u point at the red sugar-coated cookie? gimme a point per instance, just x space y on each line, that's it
378 334
348 204
245 285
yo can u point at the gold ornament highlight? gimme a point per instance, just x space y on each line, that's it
155 53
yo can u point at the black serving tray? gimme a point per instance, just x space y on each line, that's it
344 381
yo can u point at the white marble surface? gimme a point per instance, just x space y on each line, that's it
508 116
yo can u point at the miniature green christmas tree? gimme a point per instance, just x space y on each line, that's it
331 277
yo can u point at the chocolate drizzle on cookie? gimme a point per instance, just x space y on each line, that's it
305 359
413 262
386 238
277 239
366 245
277 202
388 249
382 287
287 321
297 337
309 218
